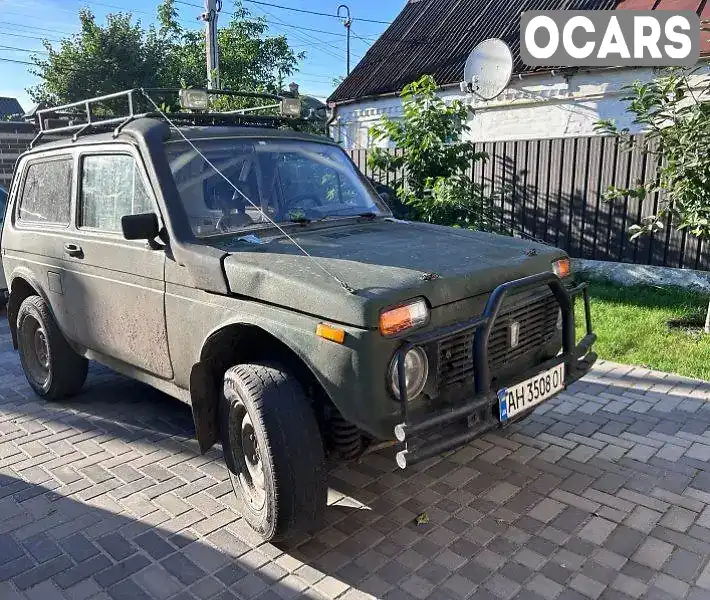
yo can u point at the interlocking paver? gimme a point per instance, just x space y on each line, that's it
552 508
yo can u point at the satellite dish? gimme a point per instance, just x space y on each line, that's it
488 69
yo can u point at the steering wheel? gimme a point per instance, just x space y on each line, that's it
299 201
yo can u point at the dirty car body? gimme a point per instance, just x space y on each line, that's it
220 285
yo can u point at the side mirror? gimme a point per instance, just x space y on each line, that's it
140 227
385 196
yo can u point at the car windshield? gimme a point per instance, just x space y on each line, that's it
288 180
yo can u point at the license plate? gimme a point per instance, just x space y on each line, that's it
531 392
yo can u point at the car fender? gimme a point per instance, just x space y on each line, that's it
14 305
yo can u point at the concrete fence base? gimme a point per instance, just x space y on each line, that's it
629 274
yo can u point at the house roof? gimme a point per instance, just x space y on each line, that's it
436 36
9 107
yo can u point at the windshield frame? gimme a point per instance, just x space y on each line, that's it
377 205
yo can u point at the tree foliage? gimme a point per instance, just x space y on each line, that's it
122 54
437 186
676 121
675 115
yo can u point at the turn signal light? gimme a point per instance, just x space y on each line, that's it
405 317
330 333
562 268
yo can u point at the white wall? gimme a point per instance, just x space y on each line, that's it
537 106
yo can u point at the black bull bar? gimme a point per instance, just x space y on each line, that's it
577 359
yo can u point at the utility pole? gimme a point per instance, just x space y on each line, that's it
348 22
212 8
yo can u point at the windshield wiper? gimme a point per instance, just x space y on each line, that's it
301 220
370 216
307 221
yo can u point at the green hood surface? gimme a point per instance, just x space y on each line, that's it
385 262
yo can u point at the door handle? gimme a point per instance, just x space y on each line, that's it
73 249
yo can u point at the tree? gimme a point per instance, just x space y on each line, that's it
123 54
101 59
437 186
675 115
249 58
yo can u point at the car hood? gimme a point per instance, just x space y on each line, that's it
379 264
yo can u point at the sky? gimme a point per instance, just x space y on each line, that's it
24 23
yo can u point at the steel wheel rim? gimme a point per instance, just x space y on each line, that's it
36 349
248 457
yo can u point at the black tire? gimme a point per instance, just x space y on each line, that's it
263 402
59 373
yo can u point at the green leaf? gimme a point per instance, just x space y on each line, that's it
422 519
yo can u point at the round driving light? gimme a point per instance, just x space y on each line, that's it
416 372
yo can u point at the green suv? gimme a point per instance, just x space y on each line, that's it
250 271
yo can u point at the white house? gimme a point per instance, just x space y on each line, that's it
436 36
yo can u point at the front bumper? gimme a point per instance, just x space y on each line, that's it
480 413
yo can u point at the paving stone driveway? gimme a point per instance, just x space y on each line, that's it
604 493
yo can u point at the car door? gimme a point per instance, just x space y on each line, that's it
115 288
38 222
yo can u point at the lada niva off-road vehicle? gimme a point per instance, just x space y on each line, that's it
252 272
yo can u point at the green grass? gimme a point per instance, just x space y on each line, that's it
632 326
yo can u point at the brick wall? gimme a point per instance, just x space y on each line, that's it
15 138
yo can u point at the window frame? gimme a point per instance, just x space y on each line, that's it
21 223
111 150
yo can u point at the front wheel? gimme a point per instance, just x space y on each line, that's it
273 449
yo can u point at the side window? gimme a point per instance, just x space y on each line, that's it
111 187
46 194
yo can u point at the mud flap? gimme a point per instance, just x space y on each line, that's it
203 391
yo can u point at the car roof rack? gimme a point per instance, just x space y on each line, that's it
77 118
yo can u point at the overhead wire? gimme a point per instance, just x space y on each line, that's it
25 26
280 24
326 47
19 62
28 50
313 12
29 37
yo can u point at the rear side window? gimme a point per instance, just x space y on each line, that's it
111 187
46 194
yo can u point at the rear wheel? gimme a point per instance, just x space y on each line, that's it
51 366
273 449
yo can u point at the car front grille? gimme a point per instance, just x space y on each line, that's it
456 360
537 319
538 322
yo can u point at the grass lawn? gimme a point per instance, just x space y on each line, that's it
631 324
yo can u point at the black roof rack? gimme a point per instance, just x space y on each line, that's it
116 110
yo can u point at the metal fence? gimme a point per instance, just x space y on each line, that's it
15 138
552 190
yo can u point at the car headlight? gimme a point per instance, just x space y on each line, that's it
562 268
416 372
401 318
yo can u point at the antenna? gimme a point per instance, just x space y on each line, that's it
488 69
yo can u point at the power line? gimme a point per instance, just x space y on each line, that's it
19 62
281 23
313 12
368 42
23 26
29 37
16 49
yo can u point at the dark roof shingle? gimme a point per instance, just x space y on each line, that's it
9 107
436 36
